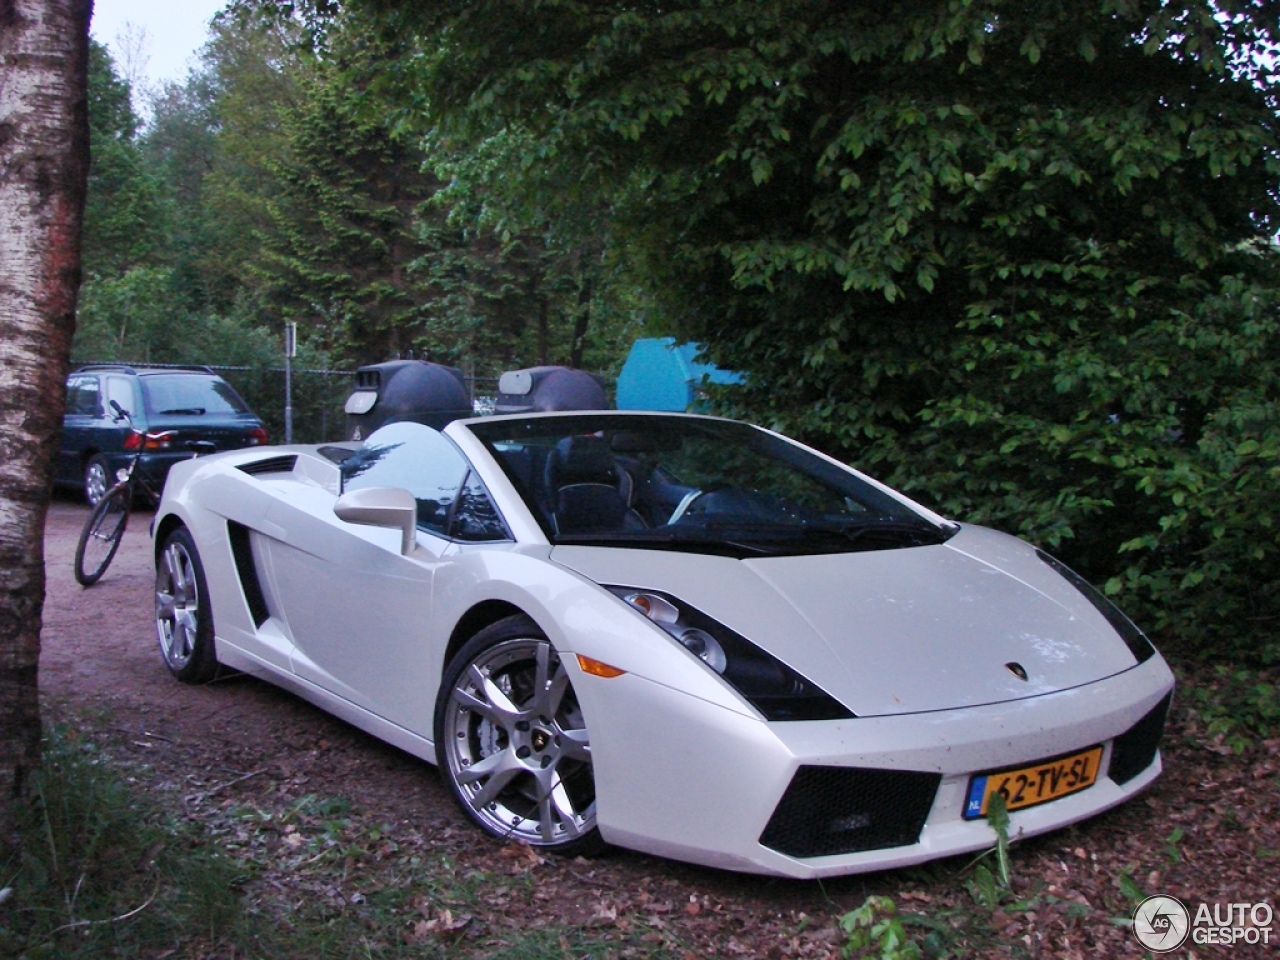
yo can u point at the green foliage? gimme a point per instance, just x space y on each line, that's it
100 873
998 819
990 889
123 207
1240 706
1013 258
141 317
217 140
874 930
342 221
349 230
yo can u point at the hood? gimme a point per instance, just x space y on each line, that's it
893 631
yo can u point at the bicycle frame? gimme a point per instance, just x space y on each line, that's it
104 528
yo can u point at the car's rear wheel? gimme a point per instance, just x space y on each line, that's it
512 742
184 620
97 478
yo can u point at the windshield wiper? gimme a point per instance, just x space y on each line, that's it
184 411
916 532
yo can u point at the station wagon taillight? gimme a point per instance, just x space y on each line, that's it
150 441
159 441
258 436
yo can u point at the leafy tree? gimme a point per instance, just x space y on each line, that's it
218 137
364 250
533 285
44 63
123 213
343 227
1013 257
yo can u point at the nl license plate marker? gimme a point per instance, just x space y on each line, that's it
1034 784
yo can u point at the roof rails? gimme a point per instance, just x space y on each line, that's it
157 368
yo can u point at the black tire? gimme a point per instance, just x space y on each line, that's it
101 536
184 619
97 479
536 785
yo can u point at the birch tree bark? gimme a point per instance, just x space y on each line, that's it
44 161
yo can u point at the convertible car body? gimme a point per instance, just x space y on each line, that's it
682 635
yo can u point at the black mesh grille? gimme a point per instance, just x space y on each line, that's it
1134 750
242 550
830 810
282 464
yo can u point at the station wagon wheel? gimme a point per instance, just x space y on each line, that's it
184 620
97 478
512 743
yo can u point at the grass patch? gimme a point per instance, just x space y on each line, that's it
100 872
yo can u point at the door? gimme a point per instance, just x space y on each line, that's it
359 612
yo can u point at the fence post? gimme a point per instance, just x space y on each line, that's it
290 348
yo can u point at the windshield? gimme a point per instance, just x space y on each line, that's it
190 395
695 485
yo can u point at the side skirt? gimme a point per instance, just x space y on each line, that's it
384 730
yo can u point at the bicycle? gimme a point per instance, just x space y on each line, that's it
107 521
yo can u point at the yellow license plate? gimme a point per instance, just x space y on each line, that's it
1038 783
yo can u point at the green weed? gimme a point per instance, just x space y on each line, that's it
99 872
874 930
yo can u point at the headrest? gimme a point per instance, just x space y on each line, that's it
581 460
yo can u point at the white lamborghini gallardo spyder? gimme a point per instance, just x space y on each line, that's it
678 634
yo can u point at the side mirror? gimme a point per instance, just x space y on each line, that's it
382 507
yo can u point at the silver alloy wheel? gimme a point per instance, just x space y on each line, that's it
516 745
96 481
177 605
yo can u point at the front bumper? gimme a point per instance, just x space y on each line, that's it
682 778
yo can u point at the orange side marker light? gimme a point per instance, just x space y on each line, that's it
598 669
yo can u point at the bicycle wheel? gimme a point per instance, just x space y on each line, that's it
100 538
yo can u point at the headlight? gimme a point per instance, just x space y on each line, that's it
766 682
1133 638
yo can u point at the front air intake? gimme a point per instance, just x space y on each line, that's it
1135 749
833 810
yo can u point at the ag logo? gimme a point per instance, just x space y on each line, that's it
1161 923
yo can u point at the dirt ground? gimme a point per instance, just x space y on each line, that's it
1208 832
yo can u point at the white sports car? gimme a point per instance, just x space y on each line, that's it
679 634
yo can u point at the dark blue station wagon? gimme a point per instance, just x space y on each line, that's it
169 408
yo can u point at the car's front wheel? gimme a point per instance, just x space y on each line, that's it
184 620
512 742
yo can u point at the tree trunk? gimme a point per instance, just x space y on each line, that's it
582 321
44 162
